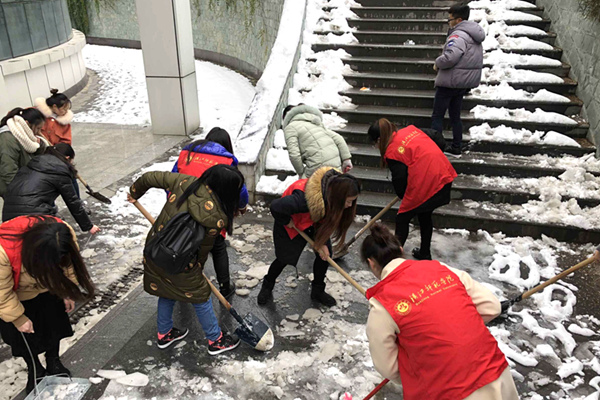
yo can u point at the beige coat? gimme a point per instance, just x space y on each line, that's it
11 308
382 332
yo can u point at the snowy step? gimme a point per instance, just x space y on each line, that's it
422 117
424 66
424 99
414 51
437 25
406 3
397 37
426 82
419 12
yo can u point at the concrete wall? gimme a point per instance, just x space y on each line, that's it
580 40
233 37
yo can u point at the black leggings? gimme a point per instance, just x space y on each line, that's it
220 260
319 270
425 225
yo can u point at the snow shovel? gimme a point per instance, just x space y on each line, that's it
334 264
96 195
252 330
344 250
508 303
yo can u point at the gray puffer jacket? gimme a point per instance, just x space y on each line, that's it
310 144
459 67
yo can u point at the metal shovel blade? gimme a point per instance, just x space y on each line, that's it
255 333
98 196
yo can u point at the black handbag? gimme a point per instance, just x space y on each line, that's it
175 247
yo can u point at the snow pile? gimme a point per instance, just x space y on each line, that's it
501 35
520 114
503 72
504 133
279 140
279 160
272 184
500 57
336 20
271 84
506 4
504 91
122 98
500 11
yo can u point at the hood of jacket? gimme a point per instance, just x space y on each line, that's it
471 28
40 104
303 113
212 148
49 164
315 189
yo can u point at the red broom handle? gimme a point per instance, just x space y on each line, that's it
377 389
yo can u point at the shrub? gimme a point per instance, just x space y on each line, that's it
590 8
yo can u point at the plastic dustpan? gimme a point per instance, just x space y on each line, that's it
59 388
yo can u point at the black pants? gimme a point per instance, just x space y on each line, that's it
425 225
220 260
447 99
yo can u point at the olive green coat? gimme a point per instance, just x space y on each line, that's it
189 286
12 157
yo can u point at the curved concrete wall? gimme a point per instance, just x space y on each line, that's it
232 37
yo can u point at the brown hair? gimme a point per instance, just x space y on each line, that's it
383 130
381 245
337 218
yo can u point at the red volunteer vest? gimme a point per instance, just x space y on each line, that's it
302 220
428 168
13 248
445 351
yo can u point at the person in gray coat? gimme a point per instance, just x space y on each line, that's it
310 144
459 70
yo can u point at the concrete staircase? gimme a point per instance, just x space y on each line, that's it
400 78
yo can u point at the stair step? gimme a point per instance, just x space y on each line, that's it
423 66
357 134
423 12
422 117
411 3
382 80
437 25
397 37
424 99
428 51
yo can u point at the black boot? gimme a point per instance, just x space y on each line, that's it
318 293
55 367
419 256
227 289
266 292
32 379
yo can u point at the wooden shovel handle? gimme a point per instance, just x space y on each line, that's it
557 278
82 181
334 264
215 291
373 220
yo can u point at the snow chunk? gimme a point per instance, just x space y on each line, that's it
520 114
576 329
570 367
500 57
135 379
502 133
242 292
506 73
504 91
272 184
279 160
111 374
312 314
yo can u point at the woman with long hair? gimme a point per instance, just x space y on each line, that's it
57 112
194 160
37 185
421 174
41 273
212 201
20 140
426 327
323 205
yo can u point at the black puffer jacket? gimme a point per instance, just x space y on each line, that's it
37 185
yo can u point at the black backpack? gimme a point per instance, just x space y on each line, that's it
437 137
175 247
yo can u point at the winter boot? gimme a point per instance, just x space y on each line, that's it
55 367
224 343
227 289
418 256
318 293
171 337
33 379
266 292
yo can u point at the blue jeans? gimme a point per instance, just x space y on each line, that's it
204 312
450 100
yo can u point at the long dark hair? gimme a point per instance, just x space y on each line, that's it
62 151
381 245
57 99
383 130
216 135
226 183
32 115
337 218
48 250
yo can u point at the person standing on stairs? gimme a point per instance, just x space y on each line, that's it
421 174
311 145
458 71
323 205
426 327
194 160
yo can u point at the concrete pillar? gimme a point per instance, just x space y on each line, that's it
168 50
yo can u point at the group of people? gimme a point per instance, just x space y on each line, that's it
426 327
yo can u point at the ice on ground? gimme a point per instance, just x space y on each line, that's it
272 184
111 374
135 379
279 160
504 91
242 292
312 314
506 73
521 114
501 57
502 133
